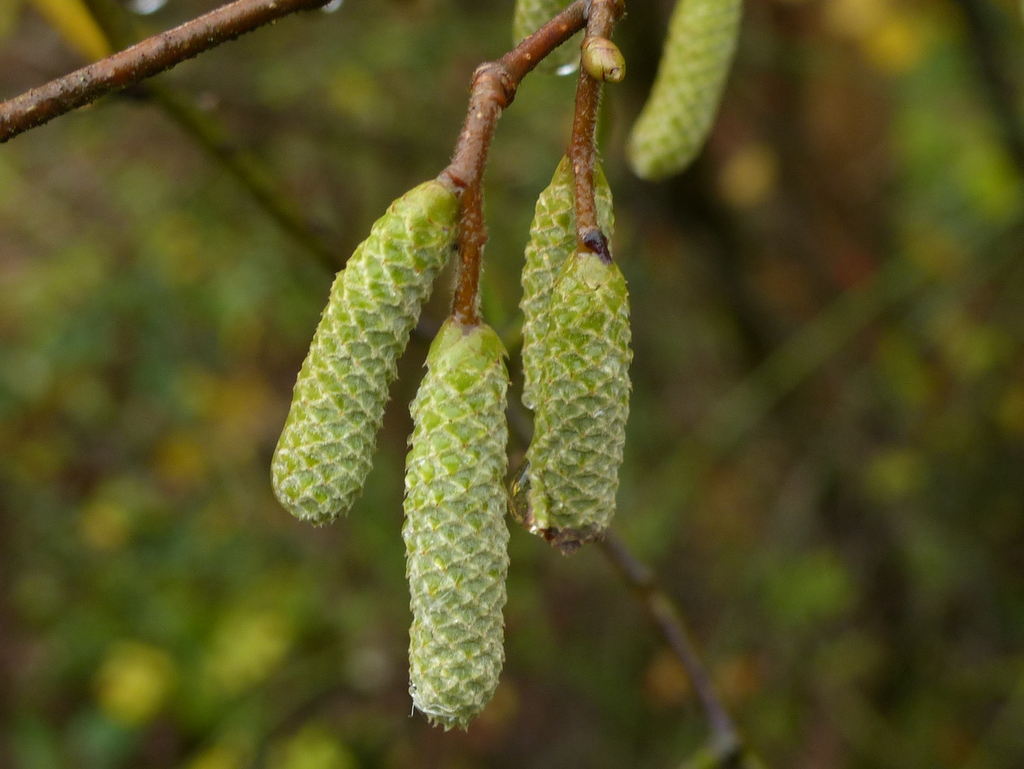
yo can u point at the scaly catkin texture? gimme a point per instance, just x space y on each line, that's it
580 426
455 535
682 105
325 449
552 242
531 15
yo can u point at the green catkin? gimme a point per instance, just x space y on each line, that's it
455 534
552 242
677 118
325 449
531 15
572 464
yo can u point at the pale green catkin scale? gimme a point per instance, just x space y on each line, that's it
580 426
531 15
325 449
552 242
677 118
455 535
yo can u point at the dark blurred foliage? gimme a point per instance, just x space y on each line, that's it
825 452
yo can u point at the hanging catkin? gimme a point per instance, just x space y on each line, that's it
324 453
694 66
552 242
455 534
571 472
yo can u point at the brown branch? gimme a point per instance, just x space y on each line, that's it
583 146
493 89
728 746
145 59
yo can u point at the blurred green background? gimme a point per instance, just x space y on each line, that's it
824 463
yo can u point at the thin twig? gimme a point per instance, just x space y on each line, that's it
492 92
143 60
582 146
493 89
669 622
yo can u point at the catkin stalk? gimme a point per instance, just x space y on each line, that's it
572 471
325 449
455 535
552 242
677 118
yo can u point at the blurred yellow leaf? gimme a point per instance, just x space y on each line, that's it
178 250
937 253
904 371
738 678
312 748
355 94
854 18
892 39
134 681
665 681
247 647
224 755
240 408
971 349
1010 414
104 525
749 175
181 461
76 25
896 45
38 460
990 178
895 473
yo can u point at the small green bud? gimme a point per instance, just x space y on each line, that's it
567 492
552 242
675 122
603 60
324 453
455 534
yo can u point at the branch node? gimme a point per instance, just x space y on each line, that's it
492 80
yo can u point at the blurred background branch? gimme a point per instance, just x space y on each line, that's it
986 27
726 747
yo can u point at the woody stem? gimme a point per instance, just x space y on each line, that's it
493 88
142 60
582 146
